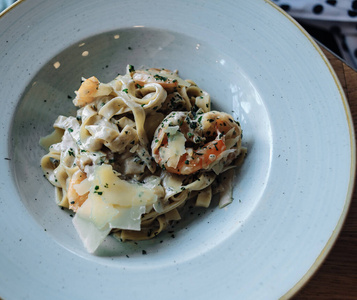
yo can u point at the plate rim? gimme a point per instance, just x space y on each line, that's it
347 203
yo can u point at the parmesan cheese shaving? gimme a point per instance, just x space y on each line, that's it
176 146
112 203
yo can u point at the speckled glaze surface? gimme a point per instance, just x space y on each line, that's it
290 197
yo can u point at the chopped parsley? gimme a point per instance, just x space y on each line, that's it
131 68
193 125
96 188
160 78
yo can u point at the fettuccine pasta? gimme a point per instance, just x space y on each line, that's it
139 148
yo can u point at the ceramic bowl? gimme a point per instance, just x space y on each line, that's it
290 197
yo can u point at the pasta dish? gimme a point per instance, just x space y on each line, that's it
138 149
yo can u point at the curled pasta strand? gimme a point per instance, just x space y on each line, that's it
49 163
154 96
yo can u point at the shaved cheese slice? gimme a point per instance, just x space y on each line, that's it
83 187
87 230
128 218
115 191
175 148
102 213
112 203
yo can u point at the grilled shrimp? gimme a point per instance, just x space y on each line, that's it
186 142
74 199
89 90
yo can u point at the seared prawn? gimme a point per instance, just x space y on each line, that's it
186 142
87 91
90 89
74 199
